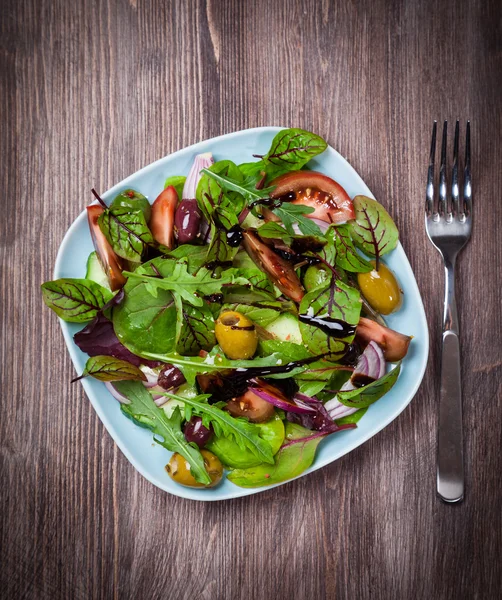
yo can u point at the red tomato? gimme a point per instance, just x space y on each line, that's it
111 263
329 200
162 219
394 345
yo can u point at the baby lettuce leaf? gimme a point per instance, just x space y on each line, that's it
295 456
127 232
353 418
293 148
245 434
178 182
366 395
108 368
219 252
235 457
373 230
288 350
75 300
197 329
336 300
311 388
166 430
143 322
340 251
194 256
260 312
212 196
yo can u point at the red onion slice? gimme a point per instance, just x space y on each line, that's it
122 399
201 161
151 376
296 407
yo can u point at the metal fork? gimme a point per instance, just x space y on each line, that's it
449 226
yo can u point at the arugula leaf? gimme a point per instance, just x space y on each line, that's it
212 196
340 251
295 456
166 431
246 189
291 213
75 300
178 182
245 434
197 329
127 232
108 368
143 322
190 287
366 395
336 300
373 230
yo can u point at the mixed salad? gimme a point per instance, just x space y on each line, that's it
239 316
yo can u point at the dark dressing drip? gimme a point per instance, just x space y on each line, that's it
218 263
352 354
332 327
234 236
272 203
214 298
243 328
360 380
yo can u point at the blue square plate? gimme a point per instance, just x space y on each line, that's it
136 443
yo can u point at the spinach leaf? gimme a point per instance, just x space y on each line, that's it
108 368
336 300
340 251
166 431
127 232
143 322
373 230
353 418
295 456
178 182
244 433
197 329
288 350
311 388
75 300
366 395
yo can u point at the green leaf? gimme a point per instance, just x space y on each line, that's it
294 213
108 368
75 300
295 456
219 252
293 148
197 329
353 418
194 256
244 433
311 388
340 251
289 351
233 456
273 230
373 230
143 322
127 232
167 431
178 182
366 395
246 189
211 195
336 300
260 312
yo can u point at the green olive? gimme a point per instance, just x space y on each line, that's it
178 470
381 289
236 335
315 276
133 200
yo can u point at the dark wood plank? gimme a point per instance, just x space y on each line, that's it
89 93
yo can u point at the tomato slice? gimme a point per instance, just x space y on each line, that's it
162 219
394 345
251 406
330 201
111 263
280 271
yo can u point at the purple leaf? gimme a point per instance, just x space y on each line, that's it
99 338
317 420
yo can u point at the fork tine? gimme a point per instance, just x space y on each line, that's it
454 176
442 173
467 171
429 194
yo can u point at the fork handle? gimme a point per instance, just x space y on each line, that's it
450 458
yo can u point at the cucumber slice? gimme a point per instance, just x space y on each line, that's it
95 271
286 328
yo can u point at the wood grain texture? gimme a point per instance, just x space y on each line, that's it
92 91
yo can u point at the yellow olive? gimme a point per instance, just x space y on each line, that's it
381 289
178 470
236 335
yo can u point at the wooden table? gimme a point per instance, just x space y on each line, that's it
92 91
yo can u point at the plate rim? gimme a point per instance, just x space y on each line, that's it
108 423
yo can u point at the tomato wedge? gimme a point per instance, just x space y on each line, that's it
252 407
330 201
280 271
111 263
162 219
394 345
